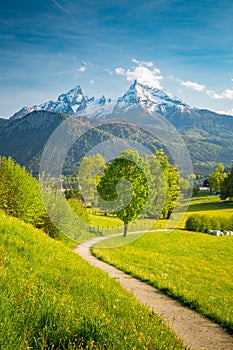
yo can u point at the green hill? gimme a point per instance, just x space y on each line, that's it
52 299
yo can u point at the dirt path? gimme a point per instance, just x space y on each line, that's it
197 332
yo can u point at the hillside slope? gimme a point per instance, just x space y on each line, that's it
52 299
24 139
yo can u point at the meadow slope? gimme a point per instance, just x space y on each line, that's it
52 299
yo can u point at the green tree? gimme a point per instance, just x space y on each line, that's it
158 185
172 191
111 187
88 175
165 183
217 177
20 193
227 186
185 186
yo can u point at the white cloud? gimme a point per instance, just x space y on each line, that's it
214 94
193 85
83 67
229 112
144 73
120 71
143 63
228 93
92 81
135 61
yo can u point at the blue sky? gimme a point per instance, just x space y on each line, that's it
50 46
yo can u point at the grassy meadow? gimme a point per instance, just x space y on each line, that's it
52 299
192 267
208 205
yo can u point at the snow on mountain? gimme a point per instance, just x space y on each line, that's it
73 102
140 96
151 99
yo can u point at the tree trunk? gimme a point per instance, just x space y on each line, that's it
125 228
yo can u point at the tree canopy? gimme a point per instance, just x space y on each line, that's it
137 185
227 186
111 186
217 177
88 176
20 193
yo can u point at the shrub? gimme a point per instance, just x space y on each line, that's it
197 223
20 193
203 223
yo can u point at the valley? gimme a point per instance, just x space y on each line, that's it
207 135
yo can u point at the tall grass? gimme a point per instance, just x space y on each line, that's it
194 268
52 299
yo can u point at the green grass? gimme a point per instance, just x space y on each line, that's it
112 222
192 267
211 206
52 299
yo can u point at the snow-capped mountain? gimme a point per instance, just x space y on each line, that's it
72 103
208 135
149 99
75 103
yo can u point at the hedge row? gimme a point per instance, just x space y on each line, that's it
203 223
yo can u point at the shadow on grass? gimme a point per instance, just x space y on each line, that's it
210 205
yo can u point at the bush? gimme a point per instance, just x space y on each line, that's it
197 223
203 223
20 196
20 193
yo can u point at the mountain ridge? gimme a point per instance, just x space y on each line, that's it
208 135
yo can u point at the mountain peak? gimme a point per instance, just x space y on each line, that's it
150 98
139 95
72 102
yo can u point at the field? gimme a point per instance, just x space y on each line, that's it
52 299
203 205
208 205
109 222
192 267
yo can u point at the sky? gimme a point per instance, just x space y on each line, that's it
49 46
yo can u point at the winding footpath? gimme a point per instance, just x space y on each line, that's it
197 332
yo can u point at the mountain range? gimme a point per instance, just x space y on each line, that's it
207 135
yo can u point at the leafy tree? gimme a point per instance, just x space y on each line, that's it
20 193
158 185
172 191
165 184
89 175
154 182
227 186
217 177
185 186
112 188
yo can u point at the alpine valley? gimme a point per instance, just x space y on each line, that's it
207 135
